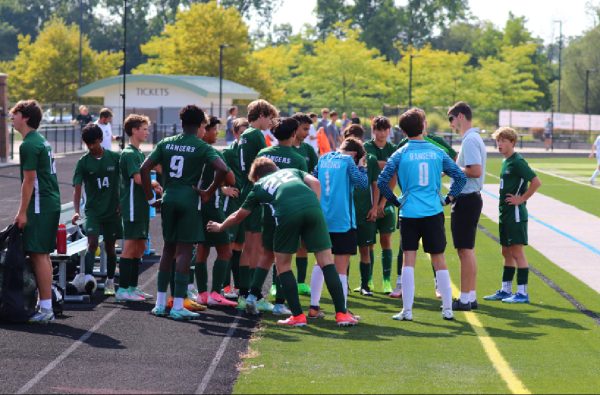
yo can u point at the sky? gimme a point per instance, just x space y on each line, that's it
540 14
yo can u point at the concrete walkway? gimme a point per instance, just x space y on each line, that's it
562 233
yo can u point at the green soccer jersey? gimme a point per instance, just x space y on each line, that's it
100 178
363 198
438 141
36 154
284 191
250 143
231 155
134 206
284 157
182 158
381 154
309 155
514 176
207 178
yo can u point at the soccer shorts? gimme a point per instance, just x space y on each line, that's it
111 229
464 217
513 233
136 230
366 233
181 221
307 224
387 223
430 229
211 213
39 235
344 243
253 222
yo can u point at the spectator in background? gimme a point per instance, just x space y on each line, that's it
323 122
345 122
311 139
354 118
333 132
83 118
548 130
229 138
103 122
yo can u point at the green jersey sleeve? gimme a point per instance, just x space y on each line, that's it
132 164
253 200
524 170
29 154
157 154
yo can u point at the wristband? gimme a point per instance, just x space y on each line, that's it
152 201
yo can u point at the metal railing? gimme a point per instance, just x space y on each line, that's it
64 138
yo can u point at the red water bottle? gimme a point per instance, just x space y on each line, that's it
61 239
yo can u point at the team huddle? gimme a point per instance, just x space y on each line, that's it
258 205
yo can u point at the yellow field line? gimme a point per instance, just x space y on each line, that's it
500 364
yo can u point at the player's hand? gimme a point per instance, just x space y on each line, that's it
21 220
372 214
514 200
158 189
205 196
75 218
157 203
230 191
363 161
213 227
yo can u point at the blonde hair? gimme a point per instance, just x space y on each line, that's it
506 133
261 167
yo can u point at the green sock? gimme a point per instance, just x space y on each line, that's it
202 276
244 280
235 267
124 272
134 274
386 262
250 275
90 258
172 279
334 285
372 256
260 275
162 281
365 269
181 282
280 294
290 288
274 275
218 274
301 265
111 266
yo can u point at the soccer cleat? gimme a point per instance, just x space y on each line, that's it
42 316
357 289
192 293
138 291
499 295
315 313
230 292
345 319
109 287
517 298
264 305
216 299
355 316
202 298
298 320
273 290
251 307
90 284
387 286
396 293
457 305
241 303
192 305
159 311
281 309
474 305
404 315
303 289
183 315
366 291
124 295
447 314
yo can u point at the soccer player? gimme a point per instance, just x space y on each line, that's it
98 170
418 167
595 151
514 193
294 196
382 149
285 156
182 158
39 207
339 173
135 212
231 203
260 115
212 210
366 204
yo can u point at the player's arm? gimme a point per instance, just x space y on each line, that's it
29 177
314 184
220 174
472 171
145 170
458 176
383 181
76 203
234 219
374 211
517 200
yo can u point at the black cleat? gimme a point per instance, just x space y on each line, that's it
457 305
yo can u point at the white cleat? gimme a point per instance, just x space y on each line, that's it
447 314
404 315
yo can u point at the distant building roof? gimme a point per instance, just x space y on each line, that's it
201 85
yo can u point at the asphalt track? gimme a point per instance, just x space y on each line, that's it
106 347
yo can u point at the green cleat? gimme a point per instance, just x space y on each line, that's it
159 311
241 303
183 315
387 286
371 285
264 305
273 290
303 289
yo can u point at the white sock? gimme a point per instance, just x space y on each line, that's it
443 285
46 304
344 281
178 303
191 286
464 297
522 289
161 299
399 282
596 172
472 296
408 287
316 285
507 286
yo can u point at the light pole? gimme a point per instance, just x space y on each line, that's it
122 143
221 48
410 60
80 40
587 91
560 43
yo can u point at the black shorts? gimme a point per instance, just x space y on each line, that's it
344 243
430 229
466 210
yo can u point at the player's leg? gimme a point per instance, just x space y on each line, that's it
365 268
301 267
290 288
386 227
201 271
595 174
434 243
163 279
508 270
132 250
518 231
410 235
183 257
220 267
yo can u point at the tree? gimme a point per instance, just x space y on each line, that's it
280 63
378 23
47 69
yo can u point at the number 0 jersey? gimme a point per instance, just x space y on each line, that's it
100 177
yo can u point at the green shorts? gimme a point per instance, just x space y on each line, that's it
307 224
39 235
366 232
111 229
513 233
181 221
253 222
236 232
137 230
211 213
387 224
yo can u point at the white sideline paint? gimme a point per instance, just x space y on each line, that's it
215 362
567 236
570 179
42 373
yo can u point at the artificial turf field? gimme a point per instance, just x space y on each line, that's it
548 346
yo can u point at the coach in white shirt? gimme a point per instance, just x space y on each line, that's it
104 121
